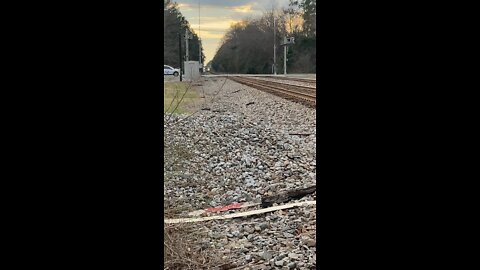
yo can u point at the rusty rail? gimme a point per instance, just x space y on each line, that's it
302 94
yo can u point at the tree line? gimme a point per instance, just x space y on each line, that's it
248 45
175 24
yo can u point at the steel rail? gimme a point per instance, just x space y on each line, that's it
296 93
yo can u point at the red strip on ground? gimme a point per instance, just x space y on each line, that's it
224 208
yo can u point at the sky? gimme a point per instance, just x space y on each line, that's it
216 16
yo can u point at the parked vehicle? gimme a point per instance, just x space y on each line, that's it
168 70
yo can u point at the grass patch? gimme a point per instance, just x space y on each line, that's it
172 94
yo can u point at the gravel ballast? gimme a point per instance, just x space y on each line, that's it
233 152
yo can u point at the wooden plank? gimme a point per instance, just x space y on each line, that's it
203 211
287 196
242 214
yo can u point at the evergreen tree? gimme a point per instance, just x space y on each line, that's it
175 24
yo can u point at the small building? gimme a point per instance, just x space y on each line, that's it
192 70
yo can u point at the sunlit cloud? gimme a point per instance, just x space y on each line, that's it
214 24
221 3
185 6
210 35
217 16
242 9
233 3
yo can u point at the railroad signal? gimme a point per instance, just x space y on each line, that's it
285 44
288 41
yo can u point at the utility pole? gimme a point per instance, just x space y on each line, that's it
274 48
199 43
186 44
200 54
285 48
180 53
286 42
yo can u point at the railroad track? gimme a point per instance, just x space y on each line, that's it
288 81
313 81
302 94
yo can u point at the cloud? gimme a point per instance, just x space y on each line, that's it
211 35
218 15
213 24
184 6
221 3
233 3
242 9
